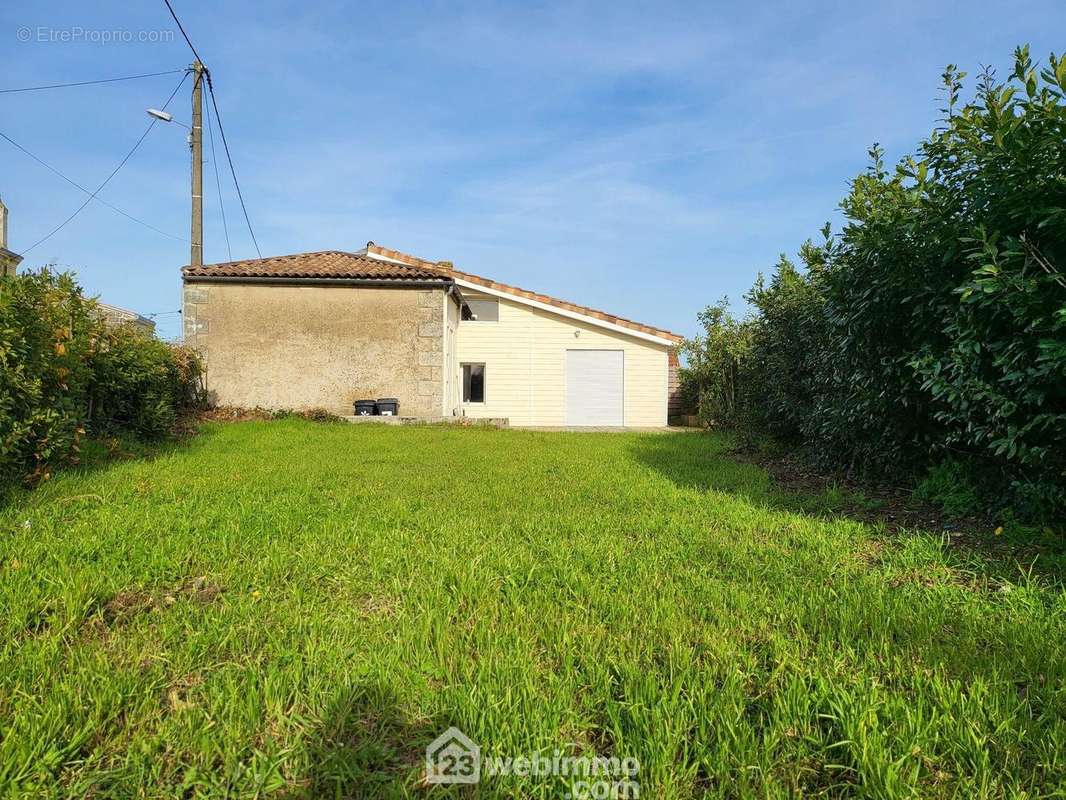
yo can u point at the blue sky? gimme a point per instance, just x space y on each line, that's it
641 158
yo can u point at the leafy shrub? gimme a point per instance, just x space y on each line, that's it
46 340
64 370
786 342
712 376
310 414
933 327
950 485
688 389
140 383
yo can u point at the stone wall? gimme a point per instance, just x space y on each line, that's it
285 346
430 346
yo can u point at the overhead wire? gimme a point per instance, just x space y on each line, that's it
221 129
229 158
181 28
107 180
90 83
218 184
77 185
94 194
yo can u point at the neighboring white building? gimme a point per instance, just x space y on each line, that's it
114 315
9 261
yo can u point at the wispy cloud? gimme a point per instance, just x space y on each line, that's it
645 159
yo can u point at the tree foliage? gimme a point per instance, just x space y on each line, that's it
64 371
714 359
934 324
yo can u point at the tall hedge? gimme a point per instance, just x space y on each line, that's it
933 326
65 372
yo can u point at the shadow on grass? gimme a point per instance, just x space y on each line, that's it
368 747
100 453
704 462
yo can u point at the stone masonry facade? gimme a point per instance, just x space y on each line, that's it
297 346
429 344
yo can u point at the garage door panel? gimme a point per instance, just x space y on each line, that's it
594 387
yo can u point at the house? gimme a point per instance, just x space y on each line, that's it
325 329
9 260
115 315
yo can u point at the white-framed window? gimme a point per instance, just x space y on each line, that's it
481 309
473 383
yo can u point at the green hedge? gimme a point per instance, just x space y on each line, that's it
932 329
65 372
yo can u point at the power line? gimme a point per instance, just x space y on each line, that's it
229 158
218 183
77 185
89 83
221 130
170 8
109 177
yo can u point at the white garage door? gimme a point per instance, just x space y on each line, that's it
594 387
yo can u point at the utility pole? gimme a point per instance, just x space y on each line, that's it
196 142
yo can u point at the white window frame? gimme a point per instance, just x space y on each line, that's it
482 321
484 383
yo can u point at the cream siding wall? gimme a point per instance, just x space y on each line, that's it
525 366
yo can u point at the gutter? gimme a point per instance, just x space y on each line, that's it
396 283
454 293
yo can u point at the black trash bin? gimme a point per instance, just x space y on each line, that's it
365 408
388 406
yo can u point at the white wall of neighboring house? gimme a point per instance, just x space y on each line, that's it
525 365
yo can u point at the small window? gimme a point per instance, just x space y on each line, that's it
481 311
473 383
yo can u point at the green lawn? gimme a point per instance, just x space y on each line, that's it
291 609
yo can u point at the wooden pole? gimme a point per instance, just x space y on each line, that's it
196 141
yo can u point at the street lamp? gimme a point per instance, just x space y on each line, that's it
163 116
196 239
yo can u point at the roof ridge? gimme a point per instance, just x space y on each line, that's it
383 262
518 291
320 264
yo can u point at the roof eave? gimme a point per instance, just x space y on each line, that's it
557 306
308 280
670 341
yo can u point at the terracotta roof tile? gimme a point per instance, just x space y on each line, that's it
448 269
339 264
327 264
